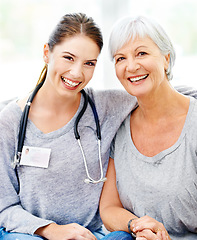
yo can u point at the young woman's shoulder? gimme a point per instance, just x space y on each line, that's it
10 114
22 102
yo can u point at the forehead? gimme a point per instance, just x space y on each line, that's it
78 44
137 42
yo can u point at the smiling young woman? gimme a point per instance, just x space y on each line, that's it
71 65
53 192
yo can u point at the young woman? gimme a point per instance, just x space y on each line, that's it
152 182
45 195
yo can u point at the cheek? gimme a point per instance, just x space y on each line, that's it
88 74
156 66
160 70
54 66
119 72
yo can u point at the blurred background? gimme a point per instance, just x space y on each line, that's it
26 24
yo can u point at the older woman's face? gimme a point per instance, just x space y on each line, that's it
140 66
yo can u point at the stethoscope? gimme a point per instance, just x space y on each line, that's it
23 126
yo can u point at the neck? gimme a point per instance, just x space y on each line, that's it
164 101
49 100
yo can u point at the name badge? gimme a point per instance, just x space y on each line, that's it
35 156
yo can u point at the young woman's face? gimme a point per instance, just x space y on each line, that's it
71 64
140 66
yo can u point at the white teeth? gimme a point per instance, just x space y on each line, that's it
70 83
138 78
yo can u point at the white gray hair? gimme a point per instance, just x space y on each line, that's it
130 28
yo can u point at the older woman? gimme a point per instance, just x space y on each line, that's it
152 182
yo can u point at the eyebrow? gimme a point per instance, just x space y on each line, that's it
134 50
91 60
69 53
118 54
141 46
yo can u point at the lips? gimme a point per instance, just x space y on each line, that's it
137 78
70 83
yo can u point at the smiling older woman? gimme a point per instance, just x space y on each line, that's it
151 188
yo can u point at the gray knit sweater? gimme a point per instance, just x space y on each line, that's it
164 186
58 193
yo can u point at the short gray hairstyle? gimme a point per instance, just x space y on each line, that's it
129 28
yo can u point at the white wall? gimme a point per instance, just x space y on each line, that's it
26 24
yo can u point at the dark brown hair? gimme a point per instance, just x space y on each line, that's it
71 25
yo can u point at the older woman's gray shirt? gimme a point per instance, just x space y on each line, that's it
164 186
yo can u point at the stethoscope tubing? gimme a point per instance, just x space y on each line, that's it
23 126
77 136
87 100
96 118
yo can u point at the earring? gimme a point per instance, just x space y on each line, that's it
46 59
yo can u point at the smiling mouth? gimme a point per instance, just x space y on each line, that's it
69 82
139 78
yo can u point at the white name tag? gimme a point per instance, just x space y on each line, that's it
35 156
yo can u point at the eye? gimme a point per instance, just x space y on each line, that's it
119 59
69 58
142 53
93 64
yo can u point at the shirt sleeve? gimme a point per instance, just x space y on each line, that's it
12 215
186 90
112 149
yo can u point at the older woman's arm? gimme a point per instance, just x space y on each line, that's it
116 218
113 215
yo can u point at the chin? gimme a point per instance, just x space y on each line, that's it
140 91
137 92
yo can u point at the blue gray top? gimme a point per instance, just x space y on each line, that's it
58 193
163 187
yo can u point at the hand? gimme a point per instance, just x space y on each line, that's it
148 223
149 235
71 231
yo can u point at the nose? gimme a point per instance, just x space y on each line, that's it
76 70
132 65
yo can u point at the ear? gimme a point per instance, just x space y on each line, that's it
46 53
167 61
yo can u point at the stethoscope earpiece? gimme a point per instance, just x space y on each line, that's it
104 179
87 180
